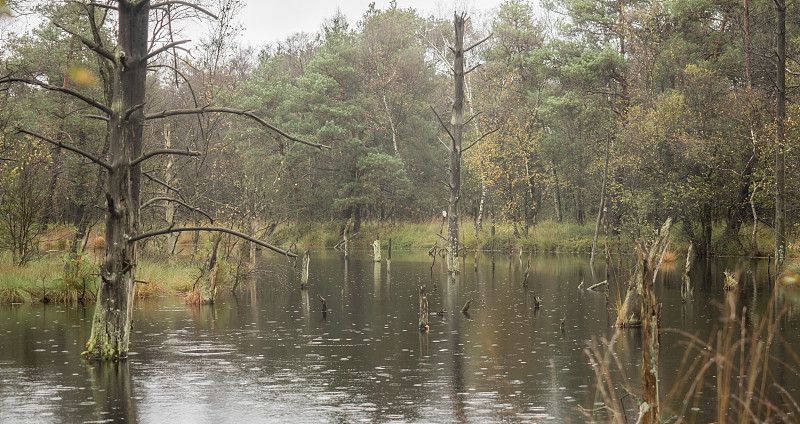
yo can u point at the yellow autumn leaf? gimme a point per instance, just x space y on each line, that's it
81 76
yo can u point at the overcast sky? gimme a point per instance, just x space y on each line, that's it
270 21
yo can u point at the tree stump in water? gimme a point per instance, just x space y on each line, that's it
647 266
687 293
423 308
304 271
389 254
208 284
376 250
527 272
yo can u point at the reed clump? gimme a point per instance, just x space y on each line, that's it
737 363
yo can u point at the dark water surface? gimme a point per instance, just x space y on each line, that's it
267 353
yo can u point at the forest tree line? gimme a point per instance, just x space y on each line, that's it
640 110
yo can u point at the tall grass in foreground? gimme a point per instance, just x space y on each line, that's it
734 364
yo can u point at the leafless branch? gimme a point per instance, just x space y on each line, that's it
241 112
443 125
184 3
148 155
81 152
214 229
46 86
178 201
472 69
478 43
104 6
479 139
162 183
471 118
443 143
178 72
607 93
102 118
89 43
164 48
130 111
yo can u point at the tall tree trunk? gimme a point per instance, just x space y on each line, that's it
169 211
780 118
479 219
455 148
111 325
556 194
747 65
602 204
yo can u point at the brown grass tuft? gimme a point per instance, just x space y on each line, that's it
669 257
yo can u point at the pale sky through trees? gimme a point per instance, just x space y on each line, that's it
271 21
267 22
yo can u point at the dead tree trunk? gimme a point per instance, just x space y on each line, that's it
630 313
324 304
650 262
753 238
376 250
455 147
208 283
780 142
111 324
126 66
169 212
423 308
687 293
602 205
346 237
304 271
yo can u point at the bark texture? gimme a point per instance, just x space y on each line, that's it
111 324
455 147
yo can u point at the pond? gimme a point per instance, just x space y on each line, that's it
268 354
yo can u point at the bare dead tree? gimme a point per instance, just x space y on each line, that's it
127 65
456 136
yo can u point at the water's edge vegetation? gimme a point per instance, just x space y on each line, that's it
56 276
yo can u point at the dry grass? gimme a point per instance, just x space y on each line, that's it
164 278
669 257
734 364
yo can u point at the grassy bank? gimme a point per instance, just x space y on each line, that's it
57 278
53 276
546 236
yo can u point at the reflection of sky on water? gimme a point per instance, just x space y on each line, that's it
268 355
